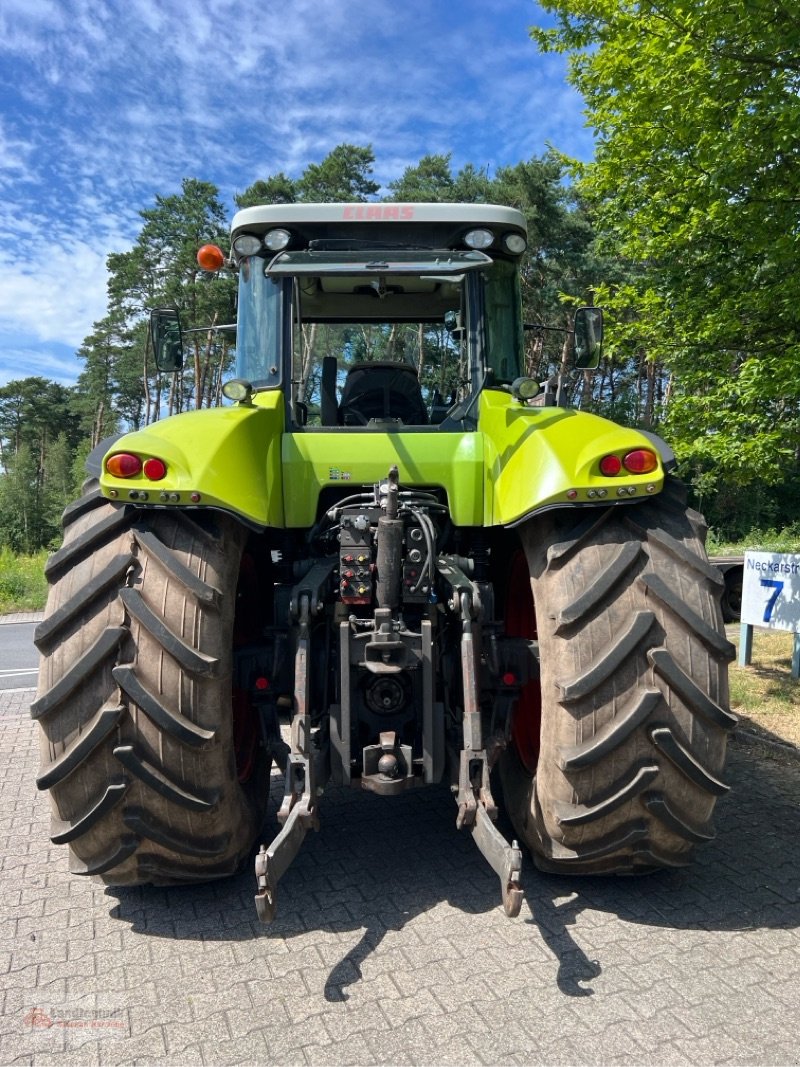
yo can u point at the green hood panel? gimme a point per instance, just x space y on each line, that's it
316 461
519 461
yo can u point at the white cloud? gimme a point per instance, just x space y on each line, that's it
52 361
56 296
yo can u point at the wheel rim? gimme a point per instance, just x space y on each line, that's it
520 621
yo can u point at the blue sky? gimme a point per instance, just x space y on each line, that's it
104 105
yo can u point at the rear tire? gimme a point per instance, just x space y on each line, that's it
134 696
634 690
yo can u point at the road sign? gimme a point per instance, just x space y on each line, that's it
771 590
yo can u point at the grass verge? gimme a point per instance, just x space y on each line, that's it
22 582
787 540
764 695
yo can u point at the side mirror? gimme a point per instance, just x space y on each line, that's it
167 338
588 337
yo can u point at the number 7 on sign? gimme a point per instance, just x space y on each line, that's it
770 583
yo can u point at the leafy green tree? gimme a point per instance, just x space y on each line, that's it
696 182
58 486
430 181
343 175
473 185
97 399
23 522
78 471
39 431
111 387
161 270
278 189
33 412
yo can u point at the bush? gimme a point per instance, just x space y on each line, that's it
22 583
757 540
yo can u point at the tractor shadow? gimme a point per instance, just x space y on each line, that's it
378 864
746 879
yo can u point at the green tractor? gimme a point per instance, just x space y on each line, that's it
391 560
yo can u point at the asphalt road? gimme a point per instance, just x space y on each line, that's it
390 946
19 660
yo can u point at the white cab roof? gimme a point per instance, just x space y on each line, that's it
263 217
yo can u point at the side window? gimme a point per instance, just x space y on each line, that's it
259 325
503 321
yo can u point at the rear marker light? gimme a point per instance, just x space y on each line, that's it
572 494
123 465
195 498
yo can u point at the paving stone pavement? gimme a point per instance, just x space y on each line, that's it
390 946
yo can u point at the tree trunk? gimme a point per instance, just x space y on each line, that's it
146 387
650 395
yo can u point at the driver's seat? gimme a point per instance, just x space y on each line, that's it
382 391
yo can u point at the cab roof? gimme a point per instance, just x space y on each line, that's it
413 225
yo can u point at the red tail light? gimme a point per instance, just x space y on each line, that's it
155 469
123 465
610 465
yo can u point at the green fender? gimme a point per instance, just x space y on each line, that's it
538 458
218 457
521 460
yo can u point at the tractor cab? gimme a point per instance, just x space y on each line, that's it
374 316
